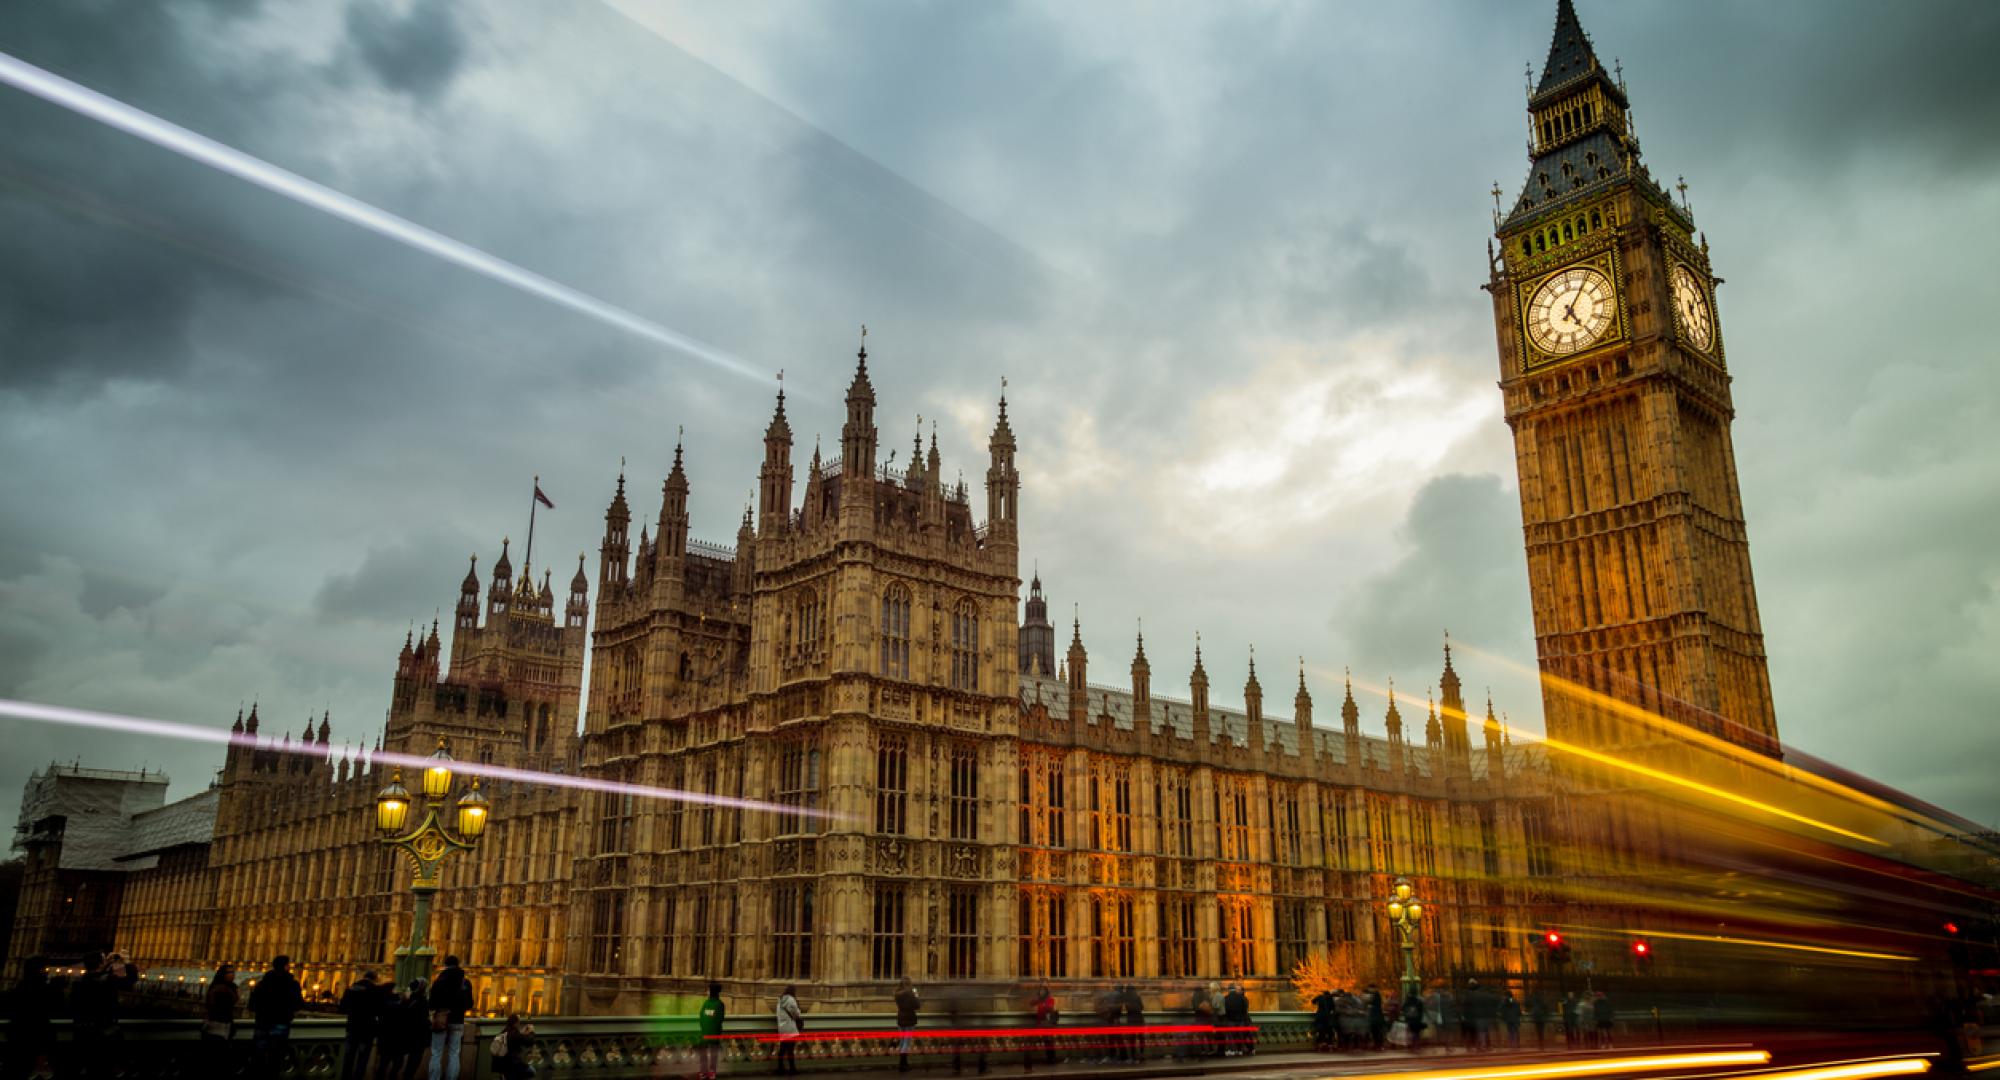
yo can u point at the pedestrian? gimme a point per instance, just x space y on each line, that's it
31 1012
1351 1020
712 1016
1203 1003
1045 1017
275 1001
1572 1035
406 1031
1604 1017
1107 1008
1413 1020
1323 1033
1510 1016
906 1021
955 1010
1236 1015
1378 1018
362 1005
510 1049
1135 1018
791 1024
451 999
218 1018
1538 1013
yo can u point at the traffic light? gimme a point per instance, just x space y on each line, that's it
1558 948
1554 939
1951 928
1641 949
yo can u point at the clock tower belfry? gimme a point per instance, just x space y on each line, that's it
1613 376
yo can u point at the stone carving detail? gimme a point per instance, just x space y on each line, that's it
964 861
888 855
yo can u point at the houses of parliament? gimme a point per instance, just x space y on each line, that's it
946 795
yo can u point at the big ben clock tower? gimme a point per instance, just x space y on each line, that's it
1617 390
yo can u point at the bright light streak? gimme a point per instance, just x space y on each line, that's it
1892 1067
1981 1064
1593 1067
167 135
173 729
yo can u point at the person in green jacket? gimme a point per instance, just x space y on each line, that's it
712 1015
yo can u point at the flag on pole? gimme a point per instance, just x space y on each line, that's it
543 499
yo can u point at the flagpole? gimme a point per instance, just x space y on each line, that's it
528 559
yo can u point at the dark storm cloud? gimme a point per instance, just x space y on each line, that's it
1228 256
390 579
417 51
1461 570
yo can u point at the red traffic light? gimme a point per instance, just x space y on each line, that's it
1951 928
1640 948
1554 939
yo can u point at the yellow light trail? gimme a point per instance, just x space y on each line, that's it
1594 1067
1724 939
1697 786
1892 1067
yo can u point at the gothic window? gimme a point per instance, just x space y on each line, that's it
965 647
1239 939
964 800
1338 841
1285 823
1426 841
699 933
962 932
1527 246
1056 827
885 945
1292 915
1044 930
1120 832
1596 220
1178 942
1489 843
607 930
792 931
1236 834
892 781
1381 837
614 827
676 774
1541 852
798 787
669 933
1111 936
707 812
1026 803
896 633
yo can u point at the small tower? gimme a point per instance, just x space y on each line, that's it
1142 688
1302 715
1253 705
1198 696
578 608
673 534
1496 762
614 556
1003 482
774 498
1393 721
1038 637
1433 734
501 594
1350 723
743 572
1457 743
857 436
1079 685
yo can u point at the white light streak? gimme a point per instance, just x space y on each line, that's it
136 122
174 729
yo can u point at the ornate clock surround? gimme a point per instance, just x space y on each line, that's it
1600 255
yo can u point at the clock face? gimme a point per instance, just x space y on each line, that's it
1691 308
1570 311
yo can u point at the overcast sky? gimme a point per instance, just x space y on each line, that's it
1228 257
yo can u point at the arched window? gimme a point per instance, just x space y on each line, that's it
965 646
896 633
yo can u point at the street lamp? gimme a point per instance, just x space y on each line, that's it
427 845
1405 912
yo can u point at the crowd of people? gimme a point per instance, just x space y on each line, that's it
1475 1018
391 1032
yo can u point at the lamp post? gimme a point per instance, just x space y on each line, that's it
1405 912
427 845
